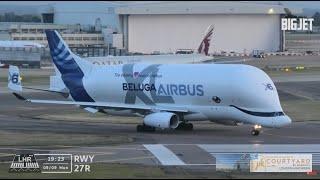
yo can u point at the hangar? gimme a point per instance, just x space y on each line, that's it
167 26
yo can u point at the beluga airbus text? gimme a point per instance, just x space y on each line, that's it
167 95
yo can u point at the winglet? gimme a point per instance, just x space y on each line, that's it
14 79
18 96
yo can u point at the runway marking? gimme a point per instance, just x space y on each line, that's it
163 154
6 154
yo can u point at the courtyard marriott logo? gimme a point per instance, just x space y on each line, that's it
269 162
296 24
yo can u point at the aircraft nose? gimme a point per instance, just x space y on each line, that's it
286 120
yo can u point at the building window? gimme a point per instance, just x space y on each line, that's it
47 17
110 10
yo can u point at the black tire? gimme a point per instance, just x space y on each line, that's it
139 128
189 126
255 132
184 126
180 126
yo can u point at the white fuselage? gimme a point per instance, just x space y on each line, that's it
246 93
57 84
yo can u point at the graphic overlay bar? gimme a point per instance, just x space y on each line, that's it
55 163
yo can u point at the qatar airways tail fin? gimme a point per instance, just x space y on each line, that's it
205 43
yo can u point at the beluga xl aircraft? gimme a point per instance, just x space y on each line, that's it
167 96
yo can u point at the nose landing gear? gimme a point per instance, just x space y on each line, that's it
256 130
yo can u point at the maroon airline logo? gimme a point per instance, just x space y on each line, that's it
204 46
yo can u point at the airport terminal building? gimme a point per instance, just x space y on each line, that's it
167 26
116 28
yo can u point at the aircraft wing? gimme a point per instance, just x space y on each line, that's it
105 105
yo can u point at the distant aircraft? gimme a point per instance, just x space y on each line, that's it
20 44
166 95
4 66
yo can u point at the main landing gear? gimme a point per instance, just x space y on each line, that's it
185 126
256 130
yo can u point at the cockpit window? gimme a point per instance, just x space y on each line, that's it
261 114
216 99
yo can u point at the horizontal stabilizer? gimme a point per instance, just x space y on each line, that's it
64 94
19 97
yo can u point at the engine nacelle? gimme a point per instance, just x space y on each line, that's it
162 120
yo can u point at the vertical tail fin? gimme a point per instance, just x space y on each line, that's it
205 43
71 67
14 79
62 57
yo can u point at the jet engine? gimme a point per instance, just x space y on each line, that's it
162 120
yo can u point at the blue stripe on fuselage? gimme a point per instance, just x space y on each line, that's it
71 73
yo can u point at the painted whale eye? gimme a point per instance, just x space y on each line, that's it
216 99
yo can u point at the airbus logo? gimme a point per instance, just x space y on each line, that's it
268 87
136 74
14 78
